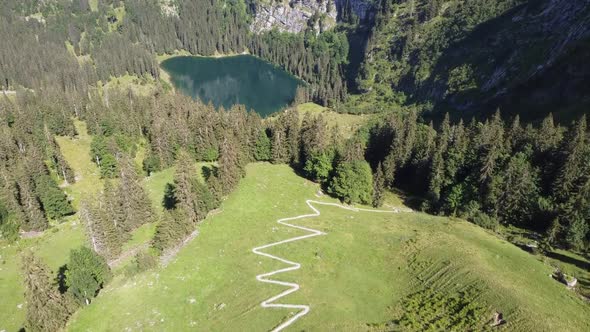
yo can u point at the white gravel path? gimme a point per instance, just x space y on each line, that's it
293 287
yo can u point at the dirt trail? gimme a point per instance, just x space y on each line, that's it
293 287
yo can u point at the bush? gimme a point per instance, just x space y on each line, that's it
145 261
483 220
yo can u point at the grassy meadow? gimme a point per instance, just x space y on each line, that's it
368 270
346 123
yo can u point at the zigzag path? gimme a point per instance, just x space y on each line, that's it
293 287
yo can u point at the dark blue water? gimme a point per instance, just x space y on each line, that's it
241 79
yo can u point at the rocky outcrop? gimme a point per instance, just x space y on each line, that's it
295 15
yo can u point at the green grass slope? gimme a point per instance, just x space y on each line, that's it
346 123
369 269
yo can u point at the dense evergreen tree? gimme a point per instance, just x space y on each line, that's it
352 182
34 218
103 156
105 238
135 200
263 150
378 187
190 195
519 191
173 227
231 164
86 274
54 201
47 309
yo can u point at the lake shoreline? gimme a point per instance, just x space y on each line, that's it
232 79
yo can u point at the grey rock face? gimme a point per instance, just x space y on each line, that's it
294 15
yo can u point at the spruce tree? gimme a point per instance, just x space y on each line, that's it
231 168
292 126
174 226
378 187
216 189
113 209
280 149
54 201
520 191
86 274
263 149
389 169
574 156
47 309
135 200
105 238
184 179
34 218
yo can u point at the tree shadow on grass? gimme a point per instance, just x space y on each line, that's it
569 260
61 279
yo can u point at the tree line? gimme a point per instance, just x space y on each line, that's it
63 46
492 172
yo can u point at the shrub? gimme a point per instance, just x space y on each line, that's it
483 220
145 261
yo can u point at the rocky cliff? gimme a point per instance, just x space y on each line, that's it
295 15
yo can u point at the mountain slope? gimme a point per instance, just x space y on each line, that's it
369 268
471 57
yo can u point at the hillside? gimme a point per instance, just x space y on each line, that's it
367 269
431 171
472 57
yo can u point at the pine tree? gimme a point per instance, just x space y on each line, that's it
280 150
86 274
292 126
231 168
577 232
314 138
173 227
378 187
520 191
184 180
492 156
263 148
575 153
54 201
572 186
47 309
112 204
548 136
216 189
34 218
437 168
105 238
389 169
135 200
